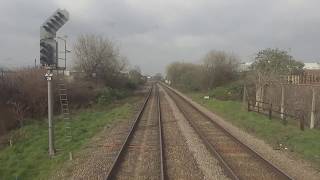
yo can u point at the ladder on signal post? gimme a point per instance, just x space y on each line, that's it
62 90
65 111
63 94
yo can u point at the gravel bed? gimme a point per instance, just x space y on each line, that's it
208 164
95 159
243 163
295 167
179 161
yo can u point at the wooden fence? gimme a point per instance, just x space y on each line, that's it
271 111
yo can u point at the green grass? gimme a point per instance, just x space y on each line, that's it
28 157
305 144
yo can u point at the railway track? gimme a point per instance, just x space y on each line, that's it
238 160
141 154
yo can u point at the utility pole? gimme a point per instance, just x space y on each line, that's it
49 59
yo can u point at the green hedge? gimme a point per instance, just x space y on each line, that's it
232 91
108 95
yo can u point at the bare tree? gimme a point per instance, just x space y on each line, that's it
219 68
99 55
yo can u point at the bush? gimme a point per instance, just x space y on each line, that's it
131 85
232 91
24 92
23 95
219 68
186 76
82 93
108 95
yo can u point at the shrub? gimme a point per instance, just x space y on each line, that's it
108 95
219 68
232 91
82 93
23 95
24 92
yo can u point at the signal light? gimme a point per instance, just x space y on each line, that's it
53 24
48 44
48 50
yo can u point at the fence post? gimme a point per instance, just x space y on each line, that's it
282 102
270 111
302 122
244 97
313 107
248 106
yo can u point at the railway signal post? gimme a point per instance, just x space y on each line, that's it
49 60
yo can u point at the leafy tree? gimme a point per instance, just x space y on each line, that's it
186 75
269 65
274 62
135 76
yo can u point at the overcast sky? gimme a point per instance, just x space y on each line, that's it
153 33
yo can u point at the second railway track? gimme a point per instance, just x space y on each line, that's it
141 155
238 160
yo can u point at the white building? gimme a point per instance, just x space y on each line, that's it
312 66
245 66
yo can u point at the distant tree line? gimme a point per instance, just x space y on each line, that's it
218 68
215 69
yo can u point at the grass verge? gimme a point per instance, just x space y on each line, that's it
28 157
306 143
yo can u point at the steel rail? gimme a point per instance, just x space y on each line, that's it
227 169
116 162
220 158
162 172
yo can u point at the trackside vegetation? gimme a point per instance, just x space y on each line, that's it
221 76
304 144
28 158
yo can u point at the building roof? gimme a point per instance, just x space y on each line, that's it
311 66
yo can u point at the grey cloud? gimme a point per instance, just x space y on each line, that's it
153 33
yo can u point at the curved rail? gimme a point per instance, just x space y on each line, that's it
225 165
